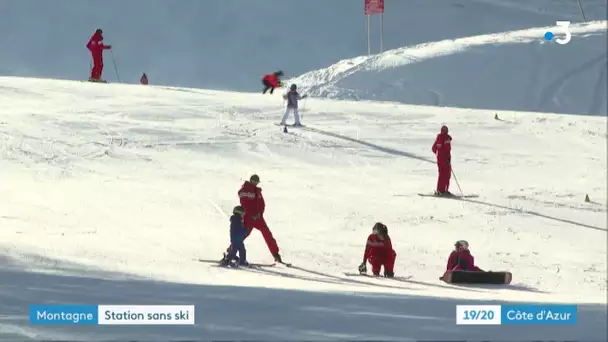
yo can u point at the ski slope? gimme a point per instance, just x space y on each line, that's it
109 193
232 44
513 70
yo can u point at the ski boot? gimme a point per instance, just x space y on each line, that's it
225 262
388 274
277 258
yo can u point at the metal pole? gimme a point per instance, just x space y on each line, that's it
382 32
369 36
582 12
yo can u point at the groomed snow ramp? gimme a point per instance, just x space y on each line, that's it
513 70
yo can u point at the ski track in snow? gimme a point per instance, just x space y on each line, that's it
388 76
121 192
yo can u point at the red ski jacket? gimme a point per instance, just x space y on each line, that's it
95 44
377 248
252 200
442 148
272 79
144 79
462 261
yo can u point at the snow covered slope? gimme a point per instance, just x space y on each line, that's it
109 192
515 70
230 44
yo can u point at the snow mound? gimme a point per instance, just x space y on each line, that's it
515 70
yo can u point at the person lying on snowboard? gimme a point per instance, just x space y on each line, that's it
461 259
379 252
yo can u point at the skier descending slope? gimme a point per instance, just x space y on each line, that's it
379 252
442 148
292 98
96 46
272 81
252 201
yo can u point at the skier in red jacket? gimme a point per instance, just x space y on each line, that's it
442 148
379 252
252 200
461 259
272 81
144 79
96 46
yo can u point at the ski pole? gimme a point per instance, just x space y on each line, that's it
456 179
115 68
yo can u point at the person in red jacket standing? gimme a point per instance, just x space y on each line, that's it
144 79
96 46
379 252
272 81
442 148
252 200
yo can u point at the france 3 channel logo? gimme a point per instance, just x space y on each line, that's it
515 314
112 314
562 27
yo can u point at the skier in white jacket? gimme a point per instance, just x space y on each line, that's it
292 98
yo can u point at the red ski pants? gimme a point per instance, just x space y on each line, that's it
261 225
97 66
443 180
388 261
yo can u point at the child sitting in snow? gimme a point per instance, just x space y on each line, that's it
461 259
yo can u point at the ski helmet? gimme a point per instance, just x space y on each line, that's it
99 31
461 245
294 87
254 178
444 129
279 73
238 210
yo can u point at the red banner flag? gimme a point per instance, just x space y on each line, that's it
374 7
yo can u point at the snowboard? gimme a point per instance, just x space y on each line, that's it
352 274
448 196
467 277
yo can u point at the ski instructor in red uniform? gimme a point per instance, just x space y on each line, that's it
96 46
442 148
252 200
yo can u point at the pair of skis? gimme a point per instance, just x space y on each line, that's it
251 264
352 274
447 196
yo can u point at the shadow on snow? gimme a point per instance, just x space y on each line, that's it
239 313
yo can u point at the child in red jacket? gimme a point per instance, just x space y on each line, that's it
461 259
379 252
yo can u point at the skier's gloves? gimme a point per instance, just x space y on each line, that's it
362 268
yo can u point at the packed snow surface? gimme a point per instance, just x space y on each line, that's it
110 192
